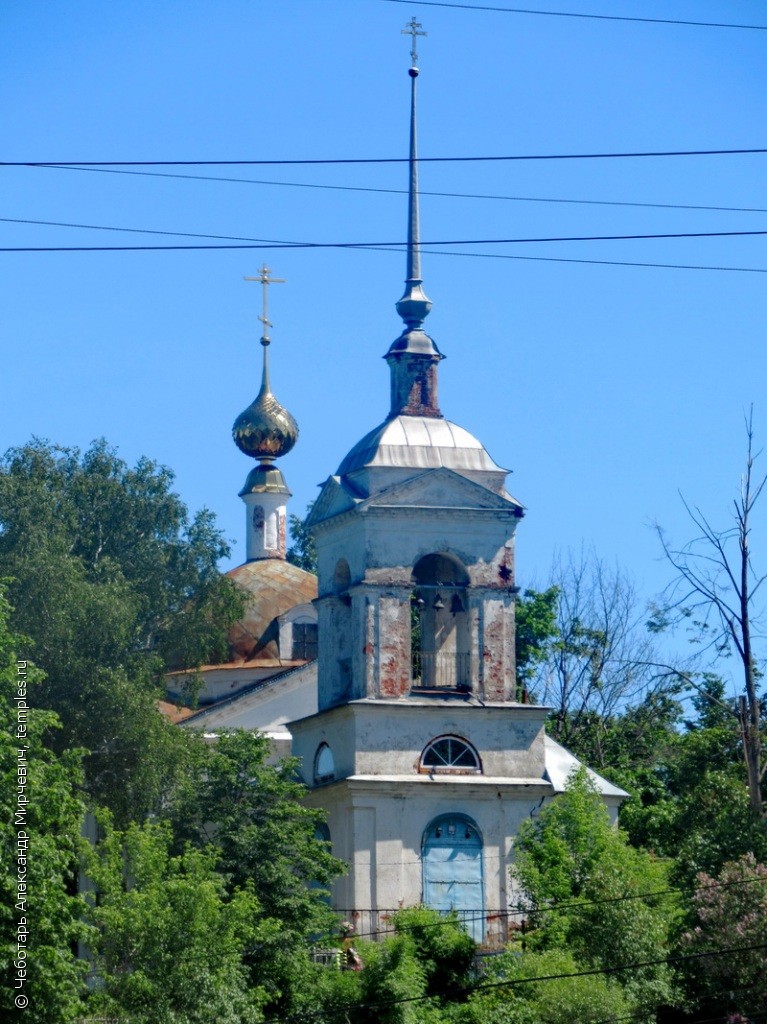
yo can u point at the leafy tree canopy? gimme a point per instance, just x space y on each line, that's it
171 941
41 847
581 881
302 552
113 582
729 912
251 813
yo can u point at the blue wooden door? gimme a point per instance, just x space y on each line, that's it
452 871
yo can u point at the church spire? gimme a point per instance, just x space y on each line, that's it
413 357
265 431
414 305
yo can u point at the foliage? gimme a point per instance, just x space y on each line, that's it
442 947
47 908
113 582
510 994
302 552
729 912
689 799
423 974
586 889
536 629
251 813
171 941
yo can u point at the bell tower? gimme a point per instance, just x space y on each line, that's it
414 533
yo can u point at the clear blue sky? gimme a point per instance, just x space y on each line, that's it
606 389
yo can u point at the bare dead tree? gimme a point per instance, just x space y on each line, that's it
716 589
603 659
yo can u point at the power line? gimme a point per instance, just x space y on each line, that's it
380 160
404 192
373 248
516 982
389 245
573 14
572 905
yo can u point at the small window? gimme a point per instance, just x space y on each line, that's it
450 754
324 765
304 641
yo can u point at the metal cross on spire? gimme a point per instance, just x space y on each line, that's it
265 278
412 29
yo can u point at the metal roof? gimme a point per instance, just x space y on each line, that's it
419 442
272 586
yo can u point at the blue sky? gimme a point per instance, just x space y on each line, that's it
606 389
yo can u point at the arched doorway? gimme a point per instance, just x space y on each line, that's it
452 871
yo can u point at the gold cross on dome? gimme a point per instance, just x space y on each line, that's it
412 29
265 278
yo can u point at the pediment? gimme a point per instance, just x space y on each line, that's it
440 488
334 498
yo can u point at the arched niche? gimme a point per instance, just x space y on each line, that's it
440 634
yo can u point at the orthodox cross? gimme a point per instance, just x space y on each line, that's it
411 29
264 276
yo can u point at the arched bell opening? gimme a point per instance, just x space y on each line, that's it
440 631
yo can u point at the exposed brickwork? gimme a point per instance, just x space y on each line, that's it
414 386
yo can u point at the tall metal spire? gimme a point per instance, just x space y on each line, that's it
414 305
413 357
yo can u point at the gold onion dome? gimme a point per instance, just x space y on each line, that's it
265 430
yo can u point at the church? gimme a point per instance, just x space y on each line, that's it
391 674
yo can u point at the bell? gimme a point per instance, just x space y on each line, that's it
456 605
439 604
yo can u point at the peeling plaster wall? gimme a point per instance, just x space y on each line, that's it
387 738
379 832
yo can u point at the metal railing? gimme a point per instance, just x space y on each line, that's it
443 670
489 928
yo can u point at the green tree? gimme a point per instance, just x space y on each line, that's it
688 799
251 813
422 974
302 552
40 849
536 630
171 941
585 889
728 912
522 988
114 582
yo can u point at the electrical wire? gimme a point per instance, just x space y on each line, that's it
382 160
388 245
573 14
575 905
516 982
431 252
404 191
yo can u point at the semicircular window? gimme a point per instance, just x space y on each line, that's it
450 754
324 765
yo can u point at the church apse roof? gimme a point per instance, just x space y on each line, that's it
272 587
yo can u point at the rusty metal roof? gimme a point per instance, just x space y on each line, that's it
419 442
272 587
